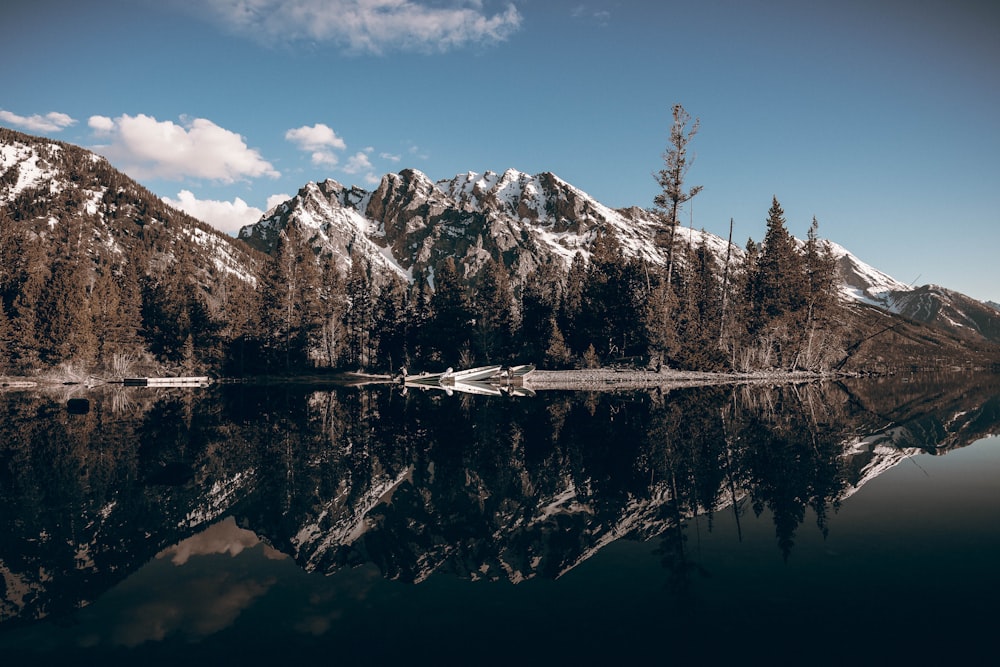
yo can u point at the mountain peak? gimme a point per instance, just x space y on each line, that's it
863 282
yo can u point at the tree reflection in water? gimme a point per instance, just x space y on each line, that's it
489 488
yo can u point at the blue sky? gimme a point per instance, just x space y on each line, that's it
880 118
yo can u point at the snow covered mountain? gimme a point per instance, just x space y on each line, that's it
930 304
409 223
862 282
47 185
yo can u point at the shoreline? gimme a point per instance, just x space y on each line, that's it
591 379
610 379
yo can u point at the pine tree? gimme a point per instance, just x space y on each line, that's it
116 308
5 332
65 327
334 303
540 302
106 308
741 324
494 313
779 280
31 273
671 177
557 355
11 255
418 316
310 297
821 273
571 319
658 321
613 303
290 301
240 311
205 346
701 310
360 314
452 313
390 325
820 335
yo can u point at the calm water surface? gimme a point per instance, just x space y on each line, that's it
811 524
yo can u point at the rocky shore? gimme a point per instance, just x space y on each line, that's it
609 379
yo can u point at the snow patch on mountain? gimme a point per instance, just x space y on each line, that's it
31 169
863 282
220 255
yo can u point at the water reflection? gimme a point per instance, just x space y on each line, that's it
478 487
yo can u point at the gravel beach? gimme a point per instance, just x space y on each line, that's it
604 379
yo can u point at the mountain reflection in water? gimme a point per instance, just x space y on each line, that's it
163 516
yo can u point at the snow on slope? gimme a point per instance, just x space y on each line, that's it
326 212
32 169
864 283
563 218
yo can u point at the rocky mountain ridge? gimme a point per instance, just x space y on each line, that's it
409 223
47 185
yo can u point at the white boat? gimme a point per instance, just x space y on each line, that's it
482 380
470 374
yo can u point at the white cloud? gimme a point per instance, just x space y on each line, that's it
101 124
50 122
357 163
599 16
324 158
390 157
321 142
417 152
274 200
370 26
318 139
314 138
226 216
145 147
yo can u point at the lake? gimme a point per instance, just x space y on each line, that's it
820 523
